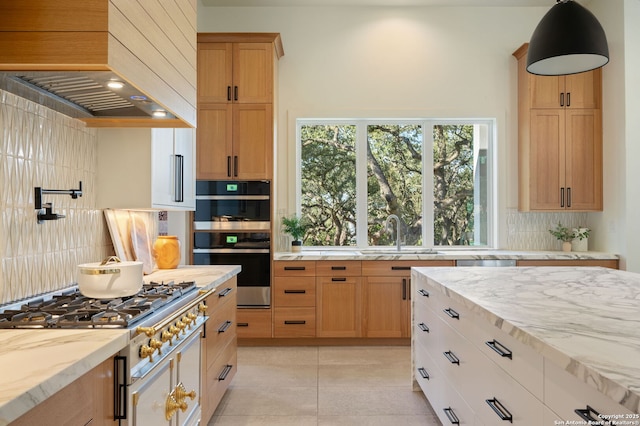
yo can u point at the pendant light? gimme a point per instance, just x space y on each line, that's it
568 40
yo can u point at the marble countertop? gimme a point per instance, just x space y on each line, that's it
584 319
408 253
36 363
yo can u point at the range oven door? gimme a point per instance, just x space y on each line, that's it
250 250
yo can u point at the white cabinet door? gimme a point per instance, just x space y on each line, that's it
185 146
163 169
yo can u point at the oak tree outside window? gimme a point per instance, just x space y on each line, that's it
435 175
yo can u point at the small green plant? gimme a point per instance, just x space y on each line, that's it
294 226
565 234
581 232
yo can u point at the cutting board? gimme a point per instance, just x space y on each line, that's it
118 224
142 237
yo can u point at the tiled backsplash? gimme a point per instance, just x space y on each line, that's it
40 147
530 231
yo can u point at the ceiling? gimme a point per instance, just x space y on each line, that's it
285 3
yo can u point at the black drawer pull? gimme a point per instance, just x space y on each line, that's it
225 372
404 289
295 322
453 359
224 327
242 324
500 349
585 414
224 292
338 279
422 326
423 292
451 416
500 410
294 268
295 291
423 373
401 268
338 268
453 314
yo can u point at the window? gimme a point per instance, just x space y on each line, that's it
435 176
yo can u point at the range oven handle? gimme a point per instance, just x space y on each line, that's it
233 197
232 251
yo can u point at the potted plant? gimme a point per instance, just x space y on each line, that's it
580 240
563 234
294 226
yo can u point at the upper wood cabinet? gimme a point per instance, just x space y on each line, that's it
559 140
236 85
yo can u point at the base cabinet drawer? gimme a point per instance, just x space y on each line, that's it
254 323
294 291
219 377
294 322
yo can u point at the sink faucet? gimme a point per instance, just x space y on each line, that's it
386 225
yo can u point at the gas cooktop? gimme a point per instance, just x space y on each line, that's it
70 309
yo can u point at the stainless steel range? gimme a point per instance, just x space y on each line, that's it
157 376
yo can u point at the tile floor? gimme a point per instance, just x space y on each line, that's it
323 386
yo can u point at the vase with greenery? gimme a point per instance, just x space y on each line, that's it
567 236
580 240
296 227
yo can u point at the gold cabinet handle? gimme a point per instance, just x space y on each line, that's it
181 393
172 406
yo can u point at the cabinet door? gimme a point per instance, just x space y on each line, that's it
214 142
162 170
215 80
583 160
338 306
184 145
252 141
547 159
577 91
252 73
545 90
386 307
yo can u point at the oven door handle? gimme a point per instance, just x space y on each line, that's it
233 197
232 251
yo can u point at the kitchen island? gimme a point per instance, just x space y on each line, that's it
546 333
37 363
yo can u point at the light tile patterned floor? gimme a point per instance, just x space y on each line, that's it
360 386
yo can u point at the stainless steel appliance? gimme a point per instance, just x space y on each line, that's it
232 226
164 319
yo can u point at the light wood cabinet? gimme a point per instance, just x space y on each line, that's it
605 263
559 140
339 299
254 323
294 299
236 84
219 348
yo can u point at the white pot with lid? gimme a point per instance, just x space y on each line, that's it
110 278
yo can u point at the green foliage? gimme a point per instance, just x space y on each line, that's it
565 234
294 226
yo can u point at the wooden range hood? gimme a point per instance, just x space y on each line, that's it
52 51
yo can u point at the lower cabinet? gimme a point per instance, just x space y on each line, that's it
219 348
339 299
88 400
254 323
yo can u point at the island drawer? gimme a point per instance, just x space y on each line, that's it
581 396
427 375
294 322
294 291
339 268
298 268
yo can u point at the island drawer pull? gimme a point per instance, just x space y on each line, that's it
453 359
585 414
500 349
338 279
423 327
423 373
225 372
451 416
224 292
423 292
453 314
500 410
295 291
225 326
295 322
294 268
338 268
242 324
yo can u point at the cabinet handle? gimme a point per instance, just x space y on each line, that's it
294 268
453 359
178 175
338 268
423 373
568 99
561 197
585 414
423 292
225 326
500 410
453 314
401 268
235 166
120 387
295 291
228 165
338 279
500 349
229 93
422 326
569 197
404 289
561 99
235 93
242 324
224 292
451 416
225 372
295 322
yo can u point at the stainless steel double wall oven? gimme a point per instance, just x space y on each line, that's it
232 226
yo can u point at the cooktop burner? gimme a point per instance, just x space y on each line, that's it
70 309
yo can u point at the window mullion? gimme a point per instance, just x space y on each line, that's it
361 184
427 184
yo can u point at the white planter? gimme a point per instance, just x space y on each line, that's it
580 245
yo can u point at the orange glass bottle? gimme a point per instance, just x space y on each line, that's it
166 250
